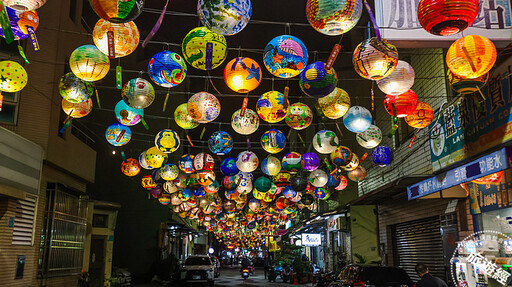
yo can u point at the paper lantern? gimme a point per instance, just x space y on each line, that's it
75 90
311 161
138 93
127 115
228 166
117 11
401 105
231 194
471 57
20 21
167 69
285 56
167 141
357 119
225 17
343 183
247 124
142 161
292 162
180 181
316 81
382 156
333 17
370 138
271 107
126 37
466 86
374 59
447 17
24 5
299 116
205 177
399 81
147 182
230 182
352 164
118 135
289 193
88 63
242 74
263 184
185 194
325 141
203 161
421 117
357 174
130 167
213 187
273 141
341 156
78 110
186 163
321 193
154 157
220 143
203 107
298 183
333 180
169 171
183 119
13 77
247 161
336 104
204 49
169 187
156 192
271 166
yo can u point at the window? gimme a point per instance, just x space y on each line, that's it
100 220
9 112
23 228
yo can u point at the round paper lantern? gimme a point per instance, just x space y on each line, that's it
311 161
370 138
228 166
169 187
142 161
78 110
299 116
336 104
325 141
447 17
220 143
321 193
75 90
341 156
24 5
231 194
13 77
289 193
273 141
126 37
204 161
254 204
316 81
196 44
271 107
333 180
471 57
167 69
20 20
203 107
292 162
185 194
183 119
333 18
147 182
154 157
247 124
205 177
130 167
247 161
224 17
399 81
88 63
230 182
167 141
285 56
318 178
180 182
186 163
138 93
213 187
353 163
118 135
298 183
263 184
127 115
421 117
401 105
466 86
382 156
271 166
242 74
117 11
357 174
343 183
156 192
199 192
169 171
357 119
374 59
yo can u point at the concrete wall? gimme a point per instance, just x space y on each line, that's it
364 233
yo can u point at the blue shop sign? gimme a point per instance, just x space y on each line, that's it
486 165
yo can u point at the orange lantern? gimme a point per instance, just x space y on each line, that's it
471 57
421 117
130 167
466 86
494 179
242 74
125 36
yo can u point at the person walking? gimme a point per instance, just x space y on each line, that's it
266 265
427 280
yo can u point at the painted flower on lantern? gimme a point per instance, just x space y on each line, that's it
370 138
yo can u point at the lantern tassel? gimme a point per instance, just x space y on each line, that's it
1 101
190 141
6 24
65 126
165 102
244 107
285 100
111 44
328 164
119 77
124 157
144 123
333 56
248 140
202 133
395 123
22 54
411 142
372 18
156 27
480 92
300 138
365 155
97 97
339 130
33 38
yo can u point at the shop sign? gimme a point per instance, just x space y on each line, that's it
491 163
311 239
489 197
398 20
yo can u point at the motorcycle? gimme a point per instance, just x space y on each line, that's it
245 273
286 273
324 279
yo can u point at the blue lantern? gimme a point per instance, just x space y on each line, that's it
333 180
273 141
220 143
228 166
289 193
285 56
200 192
316 81
382 156
118 135
167 69
357 119
186 163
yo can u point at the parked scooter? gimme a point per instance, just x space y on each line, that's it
324 279
286 273
272 273
245 273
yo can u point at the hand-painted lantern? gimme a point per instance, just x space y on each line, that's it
204 49
374 59
447 17
88 63
242 74
466 86
169 171
203 107
186 163
316 81
289 193
341 156
203 161
74 89
382 156
399 81
220 143
118 135
336 104
318 178
322 193
126 37
138 93
357 119
471 57
225 17
298 183
299 116
13 77
247 161
352 164
169 187
167 69
370 138
127 115
130 167
147 182
117 11
20 21
273 141
24 5
421 117
154 157
333 179
167 141
228 166
205 177
292 162
254 204
142 161
357 174
247 124
285 56
311 161
271 107
271 166
213 187
229 182
333 17
325 141
343 183
263 184
401 105
183 119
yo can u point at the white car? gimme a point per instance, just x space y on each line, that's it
198 268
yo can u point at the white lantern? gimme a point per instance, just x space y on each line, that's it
370 138
325 141
399 81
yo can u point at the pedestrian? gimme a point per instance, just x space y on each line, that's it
427 280
266 265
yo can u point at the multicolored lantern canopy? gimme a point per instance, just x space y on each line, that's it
242 74
130 167
370 138
285 56
13 77
225 17
325 141
471 57
336 104
271 107
271 166
247 161
316 81
466 86
24 5
374 59
125 35
75 90
204 49
273 141
88 63
382 156
127 115
399 81
167 69
167 141
299 116
311 161
447 17
203 107
117 11
421 117
20 21
118 135
401 105
77 110
183 119
220 143
333 18
292 162
357 119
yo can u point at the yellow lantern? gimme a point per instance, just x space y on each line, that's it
154 157
126 37
336 104
421 117
24 5
13 76
77 110
471 57
466 86
88 63
242 75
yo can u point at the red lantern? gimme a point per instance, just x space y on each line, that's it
447 17
402 105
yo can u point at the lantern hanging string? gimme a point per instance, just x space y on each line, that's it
374 21
156 27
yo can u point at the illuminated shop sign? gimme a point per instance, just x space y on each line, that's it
310 239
